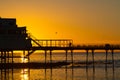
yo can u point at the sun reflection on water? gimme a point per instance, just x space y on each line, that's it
24 60
24 74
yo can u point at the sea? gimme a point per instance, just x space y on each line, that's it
79 70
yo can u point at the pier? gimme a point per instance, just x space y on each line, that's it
14 38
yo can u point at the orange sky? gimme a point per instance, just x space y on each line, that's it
84 21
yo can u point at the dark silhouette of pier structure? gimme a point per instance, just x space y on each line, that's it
14 38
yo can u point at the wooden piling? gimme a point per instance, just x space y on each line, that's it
106 60
8 56
23 52
51 64
66 65
1 56
112 51
12 56
45 71
86 58
50 56
66 55
5 58
45 57
72 57
93 60
28 57
106 55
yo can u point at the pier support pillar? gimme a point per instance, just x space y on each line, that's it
51 64
5 57
28 56
112 56
28 59
66 65
50 56
45 57
106 55
51 59
86 58
24 53
1 56
45 64
93 60
112 51
66 55
106 60
72 56
8 56
12 56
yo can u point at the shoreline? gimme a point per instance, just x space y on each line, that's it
32 65
36 65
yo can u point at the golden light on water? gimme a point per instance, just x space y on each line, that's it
24 60
24 74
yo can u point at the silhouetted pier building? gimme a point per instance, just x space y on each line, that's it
14 38
11 36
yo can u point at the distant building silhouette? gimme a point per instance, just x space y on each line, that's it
12 36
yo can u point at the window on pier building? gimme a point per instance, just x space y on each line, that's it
7 22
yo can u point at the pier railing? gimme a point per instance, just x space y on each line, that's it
98 46
54 42
50 42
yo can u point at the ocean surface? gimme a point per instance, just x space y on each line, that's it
100 70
